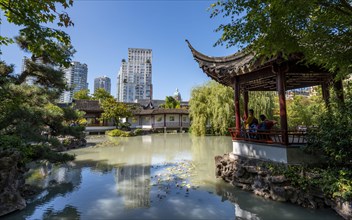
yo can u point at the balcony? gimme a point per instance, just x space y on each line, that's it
270 145
269 137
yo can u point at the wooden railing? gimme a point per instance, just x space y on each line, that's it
171 125
269 137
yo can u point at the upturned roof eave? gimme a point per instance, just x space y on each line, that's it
224 69
224 59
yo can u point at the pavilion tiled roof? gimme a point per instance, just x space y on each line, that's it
222 69
257 73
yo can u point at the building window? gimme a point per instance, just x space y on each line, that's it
147 119
159 118
134 119
172 118
184 118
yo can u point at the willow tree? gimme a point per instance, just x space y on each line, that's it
211 105
264 103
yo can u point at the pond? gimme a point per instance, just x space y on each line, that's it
159 176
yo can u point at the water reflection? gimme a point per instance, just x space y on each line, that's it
154 176
133 184
70 211
58 183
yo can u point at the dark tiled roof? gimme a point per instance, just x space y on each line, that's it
63 105
137 109
87 105
161 111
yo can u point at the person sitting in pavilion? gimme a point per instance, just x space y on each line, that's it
251 120
266 124
251 123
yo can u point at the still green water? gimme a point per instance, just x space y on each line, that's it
159 176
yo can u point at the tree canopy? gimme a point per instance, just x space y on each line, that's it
34 37
82 94
171 102
29 110
114 110
332 137
305 111
101 94
321 30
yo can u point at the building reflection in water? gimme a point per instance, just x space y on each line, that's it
133 184
133 176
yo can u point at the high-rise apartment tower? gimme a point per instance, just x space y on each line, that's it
134 79
31 80
76 78
102 82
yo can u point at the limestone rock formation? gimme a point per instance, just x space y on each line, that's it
11 181
253 175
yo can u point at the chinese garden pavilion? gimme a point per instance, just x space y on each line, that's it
244 71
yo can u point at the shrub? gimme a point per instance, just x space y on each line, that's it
40 152
138 131
332 139
333 181
125 126
119 133
31 152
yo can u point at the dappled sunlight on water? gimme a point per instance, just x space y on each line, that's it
159 176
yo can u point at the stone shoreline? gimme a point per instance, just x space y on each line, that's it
251 175
11 181
13 190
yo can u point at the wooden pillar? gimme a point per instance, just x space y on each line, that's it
236 87
338 87
282 100
326 93
181 122
245 103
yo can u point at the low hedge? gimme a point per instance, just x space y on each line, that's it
118 133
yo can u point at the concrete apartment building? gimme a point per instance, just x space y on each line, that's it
134 79
102 82
76 76
31 80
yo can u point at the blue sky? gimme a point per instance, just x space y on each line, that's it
104 30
